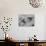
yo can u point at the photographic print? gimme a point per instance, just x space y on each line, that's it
26 20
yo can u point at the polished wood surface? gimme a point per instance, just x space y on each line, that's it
13 40
25 42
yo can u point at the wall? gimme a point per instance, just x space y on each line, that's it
13 8
45 27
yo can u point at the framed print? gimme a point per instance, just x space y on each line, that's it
26 20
